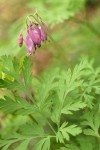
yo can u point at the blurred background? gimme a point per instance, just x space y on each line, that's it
73 24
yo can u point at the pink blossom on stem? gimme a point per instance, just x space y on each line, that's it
43 33
35 36
30 45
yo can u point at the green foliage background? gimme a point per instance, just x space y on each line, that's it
50 121
66 104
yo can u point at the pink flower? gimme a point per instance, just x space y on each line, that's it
30 45
20 41
43 33
35 35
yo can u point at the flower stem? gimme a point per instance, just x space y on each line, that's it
51 127
33 119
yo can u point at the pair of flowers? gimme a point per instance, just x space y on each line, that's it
35 35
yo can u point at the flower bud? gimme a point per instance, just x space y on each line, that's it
20 41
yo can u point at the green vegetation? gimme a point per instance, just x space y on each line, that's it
46 101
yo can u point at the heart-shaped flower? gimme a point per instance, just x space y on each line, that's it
43 33
35 36
30 45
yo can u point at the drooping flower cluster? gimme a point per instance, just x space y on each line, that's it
34 37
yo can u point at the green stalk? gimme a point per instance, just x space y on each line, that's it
51 127
33 119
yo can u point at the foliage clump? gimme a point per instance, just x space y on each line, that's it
62 114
